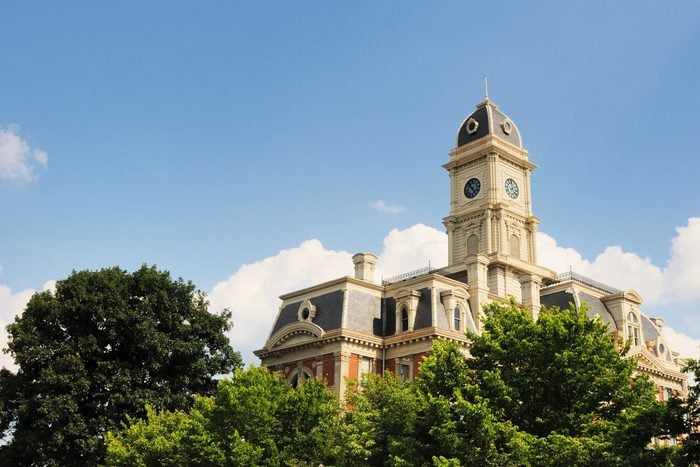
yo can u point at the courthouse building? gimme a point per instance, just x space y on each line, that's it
350 326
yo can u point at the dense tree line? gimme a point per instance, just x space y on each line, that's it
100 348
551 392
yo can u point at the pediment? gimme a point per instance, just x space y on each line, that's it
650 362
293 334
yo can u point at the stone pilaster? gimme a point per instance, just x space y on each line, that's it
530 288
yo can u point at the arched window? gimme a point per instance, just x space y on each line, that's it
472 245
404 319
298 378
514 246
457 319
633 329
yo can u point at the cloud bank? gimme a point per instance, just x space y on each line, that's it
252 292
18 160
677 282
11 305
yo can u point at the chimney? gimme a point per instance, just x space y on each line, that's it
658 322
364 266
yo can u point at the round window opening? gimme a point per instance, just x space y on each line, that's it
305 313
662 349
507 127
472 126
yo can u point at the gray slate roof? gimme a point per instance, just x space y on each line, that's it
490 121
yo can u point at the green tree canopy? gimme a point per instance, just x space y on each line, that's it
548 392
563 380
101 347
684 419
553 391
254 418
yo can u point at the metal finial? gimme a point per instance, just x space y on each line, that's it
486 85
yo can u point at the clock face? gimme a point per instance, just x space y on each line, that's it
512 188
472 187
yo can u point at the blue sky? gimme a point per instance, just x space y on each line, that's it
205 137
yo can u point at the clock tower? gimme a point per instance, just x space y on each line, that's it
491 228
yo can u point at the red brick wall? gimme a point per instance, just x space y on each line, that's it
354 366
391 366
417 358
328 371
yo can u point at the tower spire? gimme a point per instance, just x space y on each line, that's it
486 86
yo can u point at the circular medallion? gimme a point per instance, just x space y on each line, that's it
506 126
472 187
472 126
512 188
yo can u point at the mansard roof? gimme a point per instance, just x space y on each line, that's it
563 298
486 120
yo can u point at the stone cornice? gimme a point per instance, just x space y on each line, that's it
333 284
468 152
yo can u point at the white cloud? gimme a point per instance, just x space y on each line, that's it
413 248
613 266
683 269
678 281
687 346
18 160
50 286
11 305
381 206
252 292
670 287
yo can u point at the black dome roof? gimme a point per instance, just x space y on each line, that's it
488 120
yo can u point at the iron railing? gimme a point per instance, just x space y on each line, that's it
410 275
572 276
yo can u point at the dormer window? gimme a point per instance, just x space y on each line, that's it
633 329
457 319
404 319
406 308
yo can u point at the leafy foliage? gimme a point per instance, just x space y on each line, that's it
685 418
551 392
382 422
254 418
102 347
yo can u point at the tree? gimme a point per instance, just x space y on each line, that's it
684 419
564 380
381 422
100 348
459 422
254 418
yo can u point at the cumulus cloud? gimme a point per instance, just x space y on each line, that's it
670 286
413 248
11 305
381 206
18 160
252 292
620 269
683 268
687 346
678 281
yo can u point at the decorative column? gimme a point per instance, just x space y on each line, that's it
530 288
342 368
489 245
477 277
